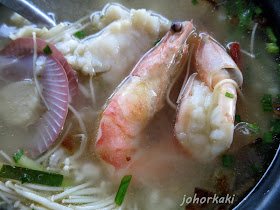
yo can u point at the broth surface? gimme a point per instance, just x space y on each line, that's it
161 176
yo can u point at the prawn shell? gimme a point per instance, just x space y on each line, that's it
139 98
218 60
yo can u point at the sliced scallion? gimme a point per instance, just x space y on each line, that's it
258 10
245 19
157 42
26 162
229 95
18 155
80 34
275 127
267 99
228 161
272 48
237 118
267 137
31 176
256 168
271 35
122 189
267 107
47 50
247 128
239 5
254 127
194 2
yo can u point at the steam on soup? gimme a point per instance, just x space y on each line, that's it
125 109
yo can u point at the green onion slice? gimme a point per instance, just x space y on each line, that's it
157 42
26 162
258 10
237 118
194 2
18 155
267 107
122 189
272 48
271 35
247 128
80 34
47 50
31 176
275 127
267 137
245 18
228 161
256 168
230 95
254 127
266 99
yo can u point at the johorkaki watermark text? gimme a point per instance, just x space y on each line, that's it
215 199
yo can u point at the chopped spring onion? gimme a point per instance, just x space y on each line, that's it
271 35
247 128
267 137
272 48
275 128
258 11
228 161
254 127
239 6
237 118
245 19
122 189
267 107
47 50
194 2
80 34
31 176
256 168
267 99
230 95
26 162
157 42
18 155
267 102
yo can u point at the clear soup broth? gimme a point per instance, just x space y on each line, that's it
116 36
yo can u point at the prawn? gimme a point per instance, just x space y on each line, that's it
140 96
205 116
